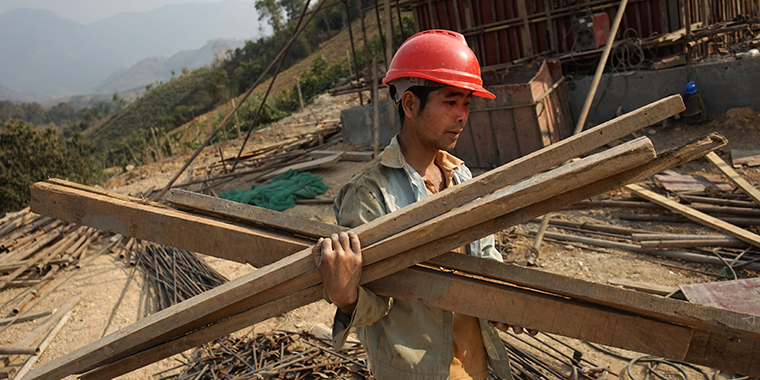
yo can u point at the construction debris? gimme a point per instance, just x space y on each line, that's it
275 355
264 293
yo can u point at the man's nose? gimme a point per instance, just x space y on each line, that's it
463 113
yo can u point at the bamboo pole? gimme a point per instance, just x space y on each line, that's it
221 124
600 67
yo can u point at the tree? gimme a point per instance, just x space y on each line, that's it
117 102
272 10
292 8
28 155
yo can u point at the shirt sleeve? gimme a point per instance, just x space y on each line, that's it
358 204
369 308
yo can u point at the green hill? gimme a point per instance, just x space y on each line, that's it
164 107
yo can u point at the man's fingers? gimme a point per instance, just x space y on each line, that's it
516 329
344 242
316 252
356 245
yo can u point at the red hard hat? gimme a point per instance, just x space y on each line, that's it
441 56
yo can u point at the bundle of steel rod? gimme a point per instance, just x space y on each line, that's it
274 355
690 248
544 357
173 275
739 212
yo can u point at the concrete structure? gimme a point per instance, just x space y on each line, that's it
724 84
358 124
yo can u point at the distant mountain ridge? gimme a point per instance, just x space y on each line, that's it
154 69
55 57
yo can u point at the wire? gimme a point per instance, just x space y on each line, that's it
646 358
733 272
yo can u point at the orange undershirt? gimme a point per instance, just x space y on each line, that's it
469 361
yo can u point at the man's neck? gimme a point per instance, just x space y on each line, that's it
417 154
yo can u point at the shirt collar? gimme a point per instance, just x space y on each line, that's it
393 158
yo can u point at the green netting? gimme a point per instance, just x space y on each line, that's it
280 192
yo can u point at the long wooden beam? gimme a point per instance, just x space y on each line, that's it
588 322
697 216
713 321
257 216
734 177
297 272
153 222
373 272
240 320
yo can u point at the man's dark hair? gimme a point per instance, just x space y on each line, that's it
421 92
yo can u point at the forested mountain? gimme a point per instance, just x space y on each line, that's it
55 57
163 69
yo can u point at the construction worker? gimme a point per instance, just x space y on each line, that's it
432 78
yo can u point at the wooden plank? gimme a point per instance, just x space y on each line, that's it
297 272
663 17
738 295
641 286
544 312
504 126
525 37
734 177
205 335
133 218
745 157
305 166
529 138
378 270
548 313
682 182
356 156
240 212
696 216
483 135
465 148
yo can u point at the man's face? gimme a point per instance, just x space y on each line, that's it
442 120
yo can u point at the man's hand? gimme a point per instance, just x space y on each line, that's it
339 263
517 329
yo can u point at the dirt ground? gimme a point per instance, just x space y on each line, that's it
102 279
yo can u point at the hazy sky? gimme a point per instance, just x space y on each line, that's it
87 11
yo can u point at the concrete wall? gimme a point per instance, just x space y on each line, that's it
358 124
724 84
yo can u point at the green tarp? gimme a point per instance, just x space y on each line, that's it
280 192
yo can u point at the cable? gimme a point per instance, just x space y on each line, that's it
733 272
646 358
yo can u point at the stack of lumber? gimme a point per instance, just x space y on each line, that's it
423 232
292 152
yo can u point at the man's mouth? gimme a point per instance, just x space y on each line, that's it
455 134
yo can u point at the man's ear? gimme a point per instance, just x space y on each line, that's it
410 103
